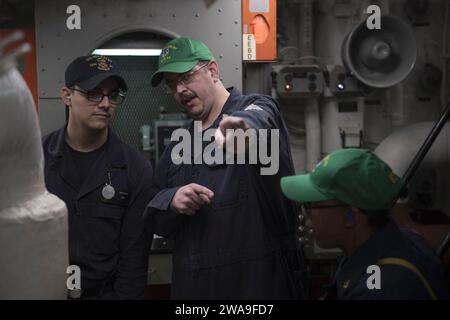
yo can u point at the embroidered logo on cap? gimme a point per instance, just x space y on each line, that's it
100 62
323 162
165 53
392 177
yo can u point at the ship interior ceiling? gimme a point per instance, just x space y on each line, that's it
338 83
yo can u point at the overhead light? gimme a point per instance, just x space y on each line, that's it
127 52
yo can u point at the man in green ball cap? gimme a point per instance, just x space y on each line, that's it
234 230
347 198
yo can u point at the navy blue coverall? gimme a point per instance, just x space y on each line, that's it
106 237
242 245
397 281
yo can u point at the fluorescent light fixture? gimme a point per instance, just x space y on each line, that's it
127 52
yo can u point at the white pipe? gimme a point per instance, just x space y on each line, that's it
313 134
331 139
296 134
306 29
311 107
394 98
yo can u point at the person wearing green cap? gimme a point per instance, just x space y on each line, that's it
347 198
234 231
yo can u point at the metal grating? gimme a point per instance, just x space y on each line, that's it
143 102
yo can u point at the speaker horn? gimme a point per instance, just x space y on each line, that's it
383 57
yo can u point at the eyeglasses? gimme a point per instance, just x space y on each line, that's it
115 97
307 207
184 79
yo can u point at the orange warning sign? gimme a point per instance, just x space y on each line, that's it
259 30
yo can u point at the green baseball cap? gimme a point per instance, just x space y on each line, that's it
356 177
180 55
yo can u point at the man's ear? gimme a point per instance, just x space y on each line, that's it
66 96
357 216
350 217
214 69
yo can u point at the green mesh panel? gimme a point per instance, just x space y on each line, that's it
143 102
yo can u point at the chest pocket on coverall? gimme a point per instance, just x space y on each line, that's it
229 184
106 224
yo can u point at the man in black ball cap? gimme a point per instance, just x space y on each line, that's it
103 181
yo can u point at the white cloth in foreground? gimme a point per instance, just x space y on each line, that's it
33 222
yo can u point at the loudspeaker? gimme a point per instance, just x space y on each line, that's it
383 57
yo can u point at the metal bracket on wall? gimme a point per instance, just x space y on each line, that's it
347 136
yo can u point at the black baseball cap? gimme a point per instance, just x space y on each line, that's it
87 72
